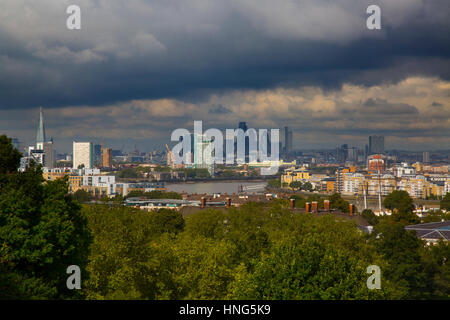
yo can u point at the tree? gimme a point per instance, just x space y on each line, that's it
9 156
307 186
445 202
127 173
125 262
295 185
336 202
402 207
82 196
369 216
328 263
42 232
402 249
206 223
399 200
166 220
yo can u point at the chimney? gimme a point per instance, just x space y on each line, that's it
292 201
351 209
326 205
315 207
308 207
228 200
203 202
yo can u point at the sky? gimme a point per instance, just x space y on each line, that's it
139 69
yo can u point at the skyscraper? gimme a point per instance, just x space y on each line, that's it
286 138
107 158
98 153
40 136
376 145
83 154
426 157
243 125
49 154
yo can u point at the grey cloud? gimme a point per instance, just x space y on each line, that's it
219 109
186 50
383 107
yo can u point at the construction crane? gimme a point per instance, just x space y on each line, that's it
169 157
395 173
379 185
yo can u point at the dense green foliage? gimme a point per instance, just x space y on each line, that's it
255 252
9 156
42 232
154 195
127 173
82 196
296 185
399 201
445 202
194 173
336 202
370 217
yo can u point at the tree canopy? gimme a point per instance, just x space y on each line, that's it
42 232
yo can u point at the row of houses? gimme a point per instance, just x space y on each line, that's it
98 185
349 181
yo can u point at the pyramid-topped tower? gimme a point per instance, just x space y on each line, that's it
40 136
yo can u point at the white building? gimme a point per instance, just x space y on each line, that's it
83 154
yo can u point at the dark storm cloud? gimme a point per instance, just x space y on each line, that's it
219 109
186 50
383 107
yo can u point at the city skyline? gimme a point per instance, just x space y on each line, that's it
65 145
311 66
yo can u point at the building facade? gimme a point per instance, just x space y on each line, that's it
83 155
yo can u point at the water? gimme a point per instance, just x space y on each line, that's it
217 187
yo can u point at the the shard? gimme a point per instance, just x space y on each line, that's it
40 136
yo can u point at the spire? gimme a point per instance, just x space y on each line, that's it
40 137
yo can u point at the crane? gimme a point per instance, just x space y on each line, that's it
379 185
169 157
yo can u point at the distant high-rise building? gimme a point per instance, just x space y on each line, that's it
426 157
243 125
342 153
352 154
286 140
40 136
107 158
49 154
83 154
97 153
376 145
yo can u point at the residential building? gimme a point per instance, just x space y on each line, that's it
106 157
83 155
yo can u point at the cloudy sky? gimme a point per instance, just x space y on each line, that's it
139 69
